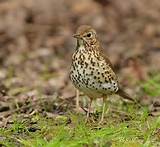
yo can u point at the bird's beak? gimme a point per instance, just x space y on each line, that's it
76 36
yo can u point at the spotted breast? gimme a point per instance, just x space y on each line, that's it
91 73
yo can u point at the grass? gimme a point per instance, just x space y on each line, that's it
152 86
137 129
140 131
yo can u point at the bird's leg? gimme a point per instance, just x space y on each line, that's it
89 109
77 100
103 110
78 107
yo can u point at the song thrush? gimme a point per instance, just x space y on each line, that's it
91 71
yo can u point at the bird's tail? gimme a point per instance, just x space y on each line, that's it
123 94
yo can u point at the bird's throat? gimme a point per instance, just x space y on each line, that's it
80 43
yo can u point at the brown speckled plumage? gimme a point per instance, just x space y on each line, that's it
91 71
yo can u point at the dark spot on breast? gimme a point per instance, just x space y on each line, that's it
86 64
106 72
111 78
74 67
106 81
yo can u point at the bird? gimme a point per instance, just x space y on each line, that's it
91 71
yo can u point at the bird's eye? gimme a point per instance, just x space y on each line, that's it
89 35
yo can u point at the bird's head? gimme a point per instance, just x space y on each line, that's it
86 36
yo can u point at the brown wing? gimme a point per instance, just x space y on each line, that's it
102 53
108 61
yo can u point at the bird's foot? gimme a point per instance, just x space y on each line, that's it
104 112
